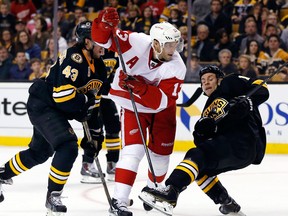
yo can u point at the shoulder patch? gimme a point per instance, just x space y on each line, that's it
77 58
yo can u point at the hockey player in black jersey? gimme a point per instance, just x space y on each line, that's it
228 136
71 90
110 119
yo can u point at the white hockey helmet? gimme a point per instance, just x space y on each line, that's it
164 32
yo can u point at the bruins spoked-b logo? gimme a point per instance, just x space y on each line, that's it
216 109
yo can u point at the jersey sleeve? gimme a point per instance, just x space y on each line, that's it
65 93
237 85
164 95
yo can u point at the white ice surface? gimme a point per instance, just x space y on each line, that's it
260 190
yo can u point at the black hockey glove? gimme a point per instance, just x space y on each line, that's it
85 113
92 149
205 127
240 107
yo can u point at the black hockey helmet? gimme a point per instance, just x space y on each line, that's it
211 69
83 30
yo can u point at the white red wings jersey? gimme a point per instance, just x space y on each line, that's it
137 55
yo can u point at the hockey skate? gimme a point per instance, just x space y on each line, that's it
119 209
111 168
54 204
90 175
2 181
162 199
230 207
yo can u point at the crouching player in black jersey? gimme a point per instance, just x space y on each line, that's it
228 136
71 90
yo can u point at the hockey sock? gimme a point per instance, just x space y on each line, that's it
213 188
112 155
183 175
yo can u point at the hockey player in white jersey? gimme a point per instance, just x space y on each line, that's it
154 72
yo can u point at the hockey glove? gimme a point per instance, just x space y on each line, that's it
240 107
93 148
108 18
205 127
137 85
85 113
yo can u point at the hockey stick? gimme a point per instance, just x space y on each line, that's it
90 140
250 93
135 108
193 98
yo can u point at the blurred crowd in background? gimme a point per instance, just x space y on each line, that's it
249 37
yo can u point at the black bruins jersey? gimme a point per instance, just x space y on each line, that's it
71 76
111 62
217 106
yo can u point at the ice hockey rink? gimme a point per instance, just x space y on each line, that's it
261 190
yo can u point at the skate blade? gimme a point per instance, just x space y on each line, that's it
162 206
112 212
240 213
90 180
50 213
111 177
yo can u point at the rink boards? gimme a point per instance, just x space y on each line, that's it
16 129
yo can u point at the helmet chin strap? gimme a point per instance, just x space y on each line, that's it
157 54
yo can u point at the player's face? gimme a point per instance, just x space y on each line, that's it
168 51
209 83
98 51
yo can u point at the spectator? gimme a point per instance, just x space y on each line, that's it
25 43
129 22
273 5
48 52
63 22
7 20
62 42
175 18
273 19
251 33
157 7
203 46
145 22
271 29
41 35
23 9
253 50
37 69
5 63
7 40
264 15
216 19
184 35
284 36
228 7
47 9
241 10
256 13
193 74
273 57
245 67
20 70
223 42
200 9
226 65
182 7
20 25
